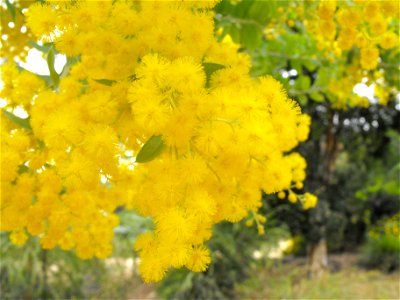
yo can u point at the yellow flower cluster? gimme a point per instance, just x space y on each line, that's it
388 226
259 220
307 200
351 75
343 88
289 15
367 25
141 122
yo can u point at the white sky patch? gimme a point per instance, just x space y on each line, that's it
20 112
397 102
103 179
363 90
286 74
292 72
36 63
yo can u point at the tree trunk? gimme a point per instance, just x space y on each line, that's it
318 251
317 259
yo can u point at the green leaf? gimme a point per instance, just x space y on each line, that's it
263 11
50 63
24 123
44 48
310 65
302 99
233 31
251 36
22 169
304 83
45 78
323 77
151 149
70 61
209 69
317 97
377 185
107 82
296 64
11 9
392 187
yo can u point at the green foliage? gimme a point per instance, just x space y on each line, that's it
46 78
244 21
382 250
209 69
131 225
11 9
381 253
293 52
55 77
390 65
385 177
335 230
43 48
107 82
33 273
151 149
24 123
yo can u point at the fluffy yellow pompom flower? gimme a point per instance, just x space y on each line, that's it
199 259
389 40
369 57
18 238
151 114
292 198
363 23
309 201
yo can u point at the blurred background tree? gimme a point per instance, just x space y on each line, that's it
353 150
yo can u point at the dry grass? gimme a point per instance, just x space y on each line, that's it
289 281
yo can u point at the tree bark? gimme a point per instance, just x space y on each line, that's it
318 251
318 259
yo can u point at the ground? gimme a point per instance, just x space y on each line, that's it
288 280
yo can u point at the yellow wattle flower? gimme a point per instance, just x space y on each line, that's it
221 137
